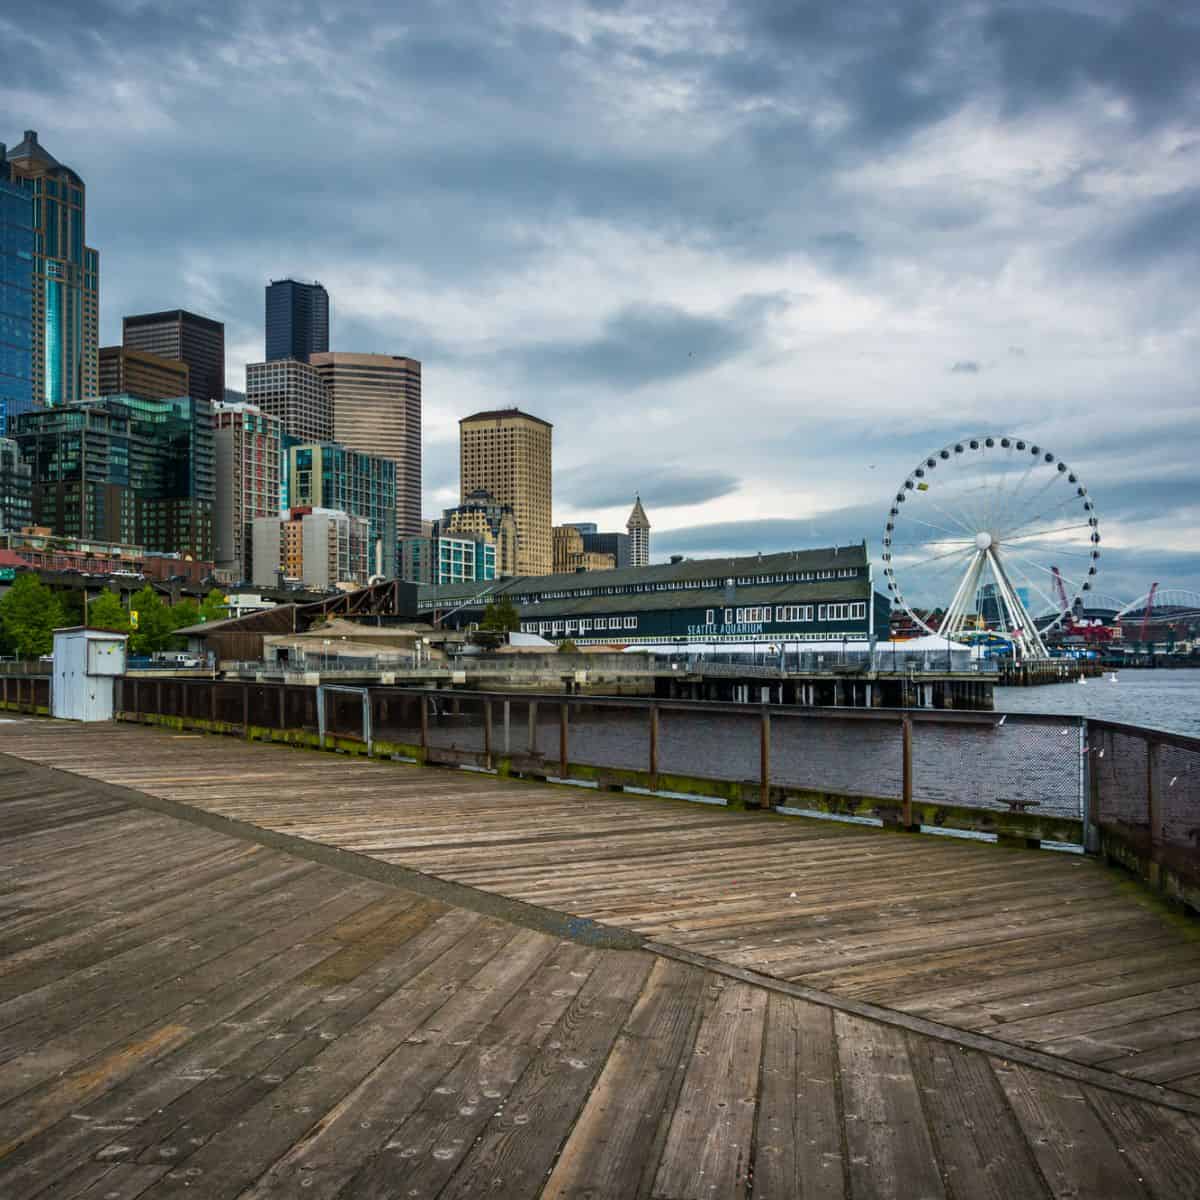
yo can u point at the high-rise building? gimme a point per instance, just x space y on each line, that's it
16 295
638 527
571 554
448 559
297 320
139 373
508 453
363 485
482 515
319 547
295 393
124 469
247 461
16 488
376 401
66 277
188 338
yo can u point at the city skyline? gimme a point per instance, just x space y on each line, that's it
801 251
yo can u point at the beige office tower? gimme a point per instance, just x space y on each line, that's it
294 393
376 402
508 453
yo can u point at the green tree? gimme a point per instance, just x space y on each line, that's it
501 618
212 608
155 626
107 612
29 614
566 646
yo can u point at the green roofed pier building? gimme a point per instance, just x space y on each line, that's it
798 596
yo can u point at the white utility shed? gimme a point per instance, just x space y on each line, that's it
87 663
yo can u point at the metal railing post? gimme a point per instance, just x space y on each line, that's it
423 706
653 764
320 698
907 772
533 746
245 710
487 734
1153 803
507 727
764 760
366 720
563 720
282 706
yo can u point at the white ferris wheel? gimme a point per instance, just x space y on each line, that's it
991 530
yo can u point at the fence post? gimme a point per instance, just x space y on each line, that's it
282 704
533 747
1091 789
487 734
764 760
6 690
1154 807
137 697
366 719
653 714
320 699
212 701
158 695
423 704
245 710
507 727
563 720
907 784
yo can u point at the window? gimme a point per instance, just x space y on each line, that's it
843 612
708 616
631 622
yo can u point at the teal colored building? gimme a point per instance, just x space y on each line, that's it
124 469
327 475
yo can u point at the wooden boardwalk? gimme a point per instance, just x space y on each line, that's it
207 1011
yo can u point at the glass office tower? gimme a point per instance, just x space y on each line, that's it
16 296
66 278
297 319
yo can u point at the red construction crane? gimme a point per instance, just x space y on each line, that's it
1089 633
1062 595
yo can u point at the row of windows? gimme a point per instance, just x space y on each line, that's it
583 625
688 585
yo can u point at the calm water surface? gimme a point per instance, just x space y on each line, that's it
1166 699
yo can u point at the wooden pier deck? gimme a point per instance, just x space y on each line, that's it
243 970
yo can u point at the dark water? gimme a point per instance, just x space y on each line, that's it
1164 699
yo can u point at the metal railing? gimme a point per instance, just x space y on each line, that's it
1129 793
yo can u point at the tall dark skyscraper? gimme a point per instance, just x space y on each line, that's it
197 341
297 319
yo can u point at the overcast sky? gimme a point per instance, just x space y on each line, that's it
755 259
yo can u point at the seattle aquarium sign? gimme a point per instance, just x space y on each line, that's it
715 631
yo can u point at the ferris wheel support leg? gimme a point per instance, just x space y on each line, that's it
952 621
1025 629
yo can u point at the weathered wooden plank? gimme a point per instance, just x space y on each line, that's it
983 1153
610 1150
427 1148
1073 1148
888 1144
798 1143
516 1151
240 1153
1162 1146
364 1120
708 1148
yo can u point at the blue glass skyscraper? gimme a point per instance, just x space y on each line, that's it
66 277
297 320
16 296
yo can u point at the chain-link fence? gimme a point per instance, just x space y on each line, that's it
1144 797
